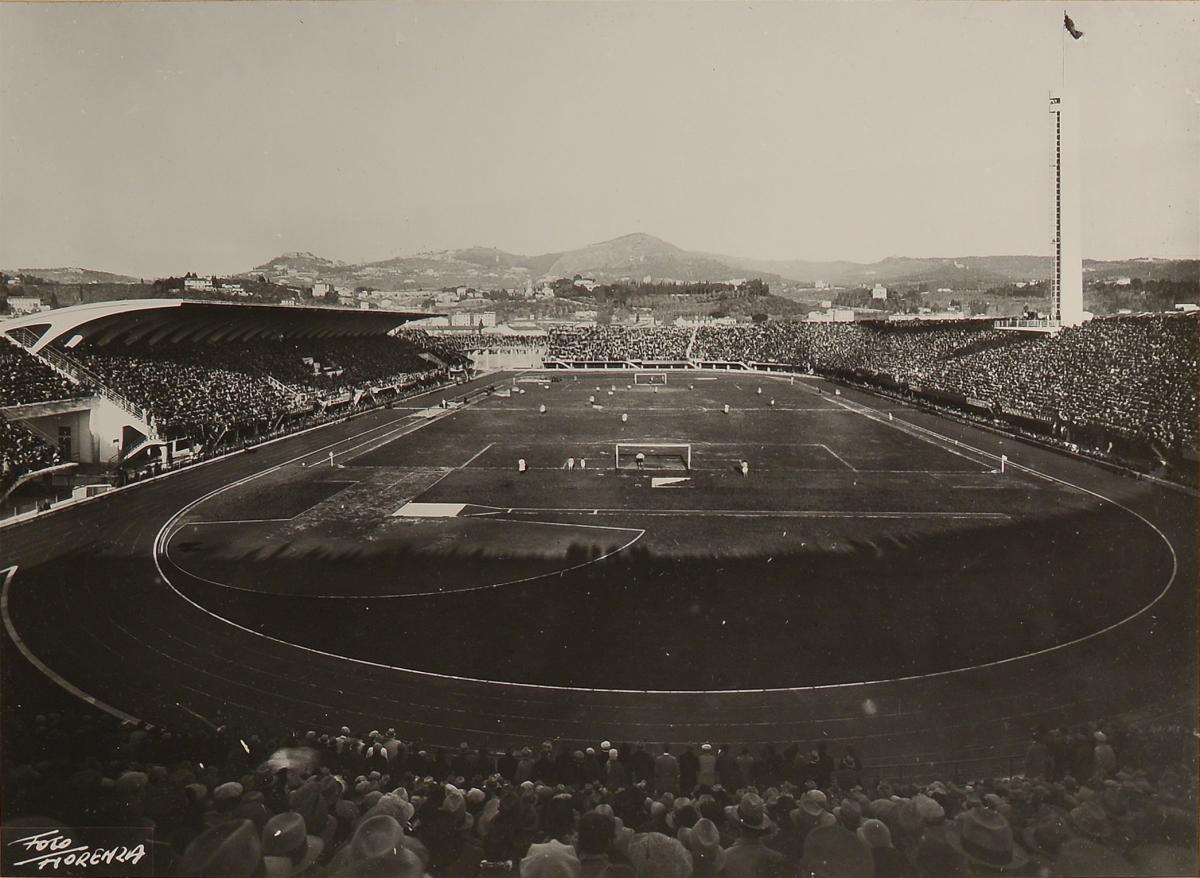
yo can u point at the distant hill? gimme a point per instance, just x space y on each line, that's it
638 255
964 272
630 256
74 275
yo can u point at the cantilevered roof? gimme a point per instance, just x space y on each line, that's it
170 321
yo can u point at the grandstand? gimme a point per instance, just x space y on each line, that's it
128 388
874 651
1117 387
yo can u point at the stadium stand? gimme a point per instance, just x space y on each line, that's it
22 452
1122 386
24 379
464 342
192 389
1109 798
597 343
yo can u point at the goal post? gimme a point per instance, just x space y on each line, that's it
659 378
661 456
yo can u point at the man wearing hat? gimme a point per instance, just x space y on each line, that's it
703 841
659 856
984 837
666 772
594 843
749 856
288 850
229 850
889 862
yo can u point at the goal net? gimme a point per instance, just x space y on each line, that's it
650 378
658 456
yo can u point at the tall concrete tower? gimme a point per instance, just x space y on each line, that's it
1066 281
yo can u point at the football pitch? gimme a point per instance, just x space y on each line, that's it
857 545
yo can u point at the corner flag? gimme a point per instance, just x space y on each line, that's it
1070 26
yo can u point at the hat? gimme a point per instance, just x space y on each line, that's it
1047 835
984 836
706 748
752 813
1091 820
1081 858
308 802
596 833
874 833
374 837
227 792
550 861
813 803
1100 737
931 812
404 863
850 813
881 809
286 846
703 841
908 817
131 782
229 849
835 852
654 855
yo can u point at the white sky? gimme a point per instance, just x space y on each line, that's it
161 138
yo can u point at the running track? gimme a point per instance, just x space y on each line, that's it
87 604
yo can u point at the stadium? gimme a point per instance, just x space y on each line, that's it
854 535
752 542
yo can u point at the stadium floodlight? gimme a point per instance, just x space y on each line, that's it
654 455
659 378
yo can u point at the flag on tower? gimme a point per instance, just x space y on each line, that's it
1070 26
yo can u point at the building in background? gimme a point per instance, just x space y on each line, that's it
19 305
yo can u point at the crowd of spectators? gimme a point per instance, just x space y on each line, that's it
22 452
458 343
1096 800
598 343
184 392
1133 375
194 389
26 379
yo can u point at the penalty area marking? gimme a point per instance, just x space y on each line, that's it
429 510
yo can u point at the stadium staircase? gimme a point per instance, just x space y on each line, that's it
299 398
687 355
83 377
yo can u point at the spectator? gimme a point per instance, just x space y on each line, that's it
750 857
666 772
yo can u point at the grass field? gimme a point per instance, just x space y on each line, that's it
858 547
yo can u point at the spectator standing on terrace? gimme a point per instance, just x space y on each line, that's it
729 775
707 775
641 764
615 775
1037 757
1104 757
689 767
666 772
849 769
